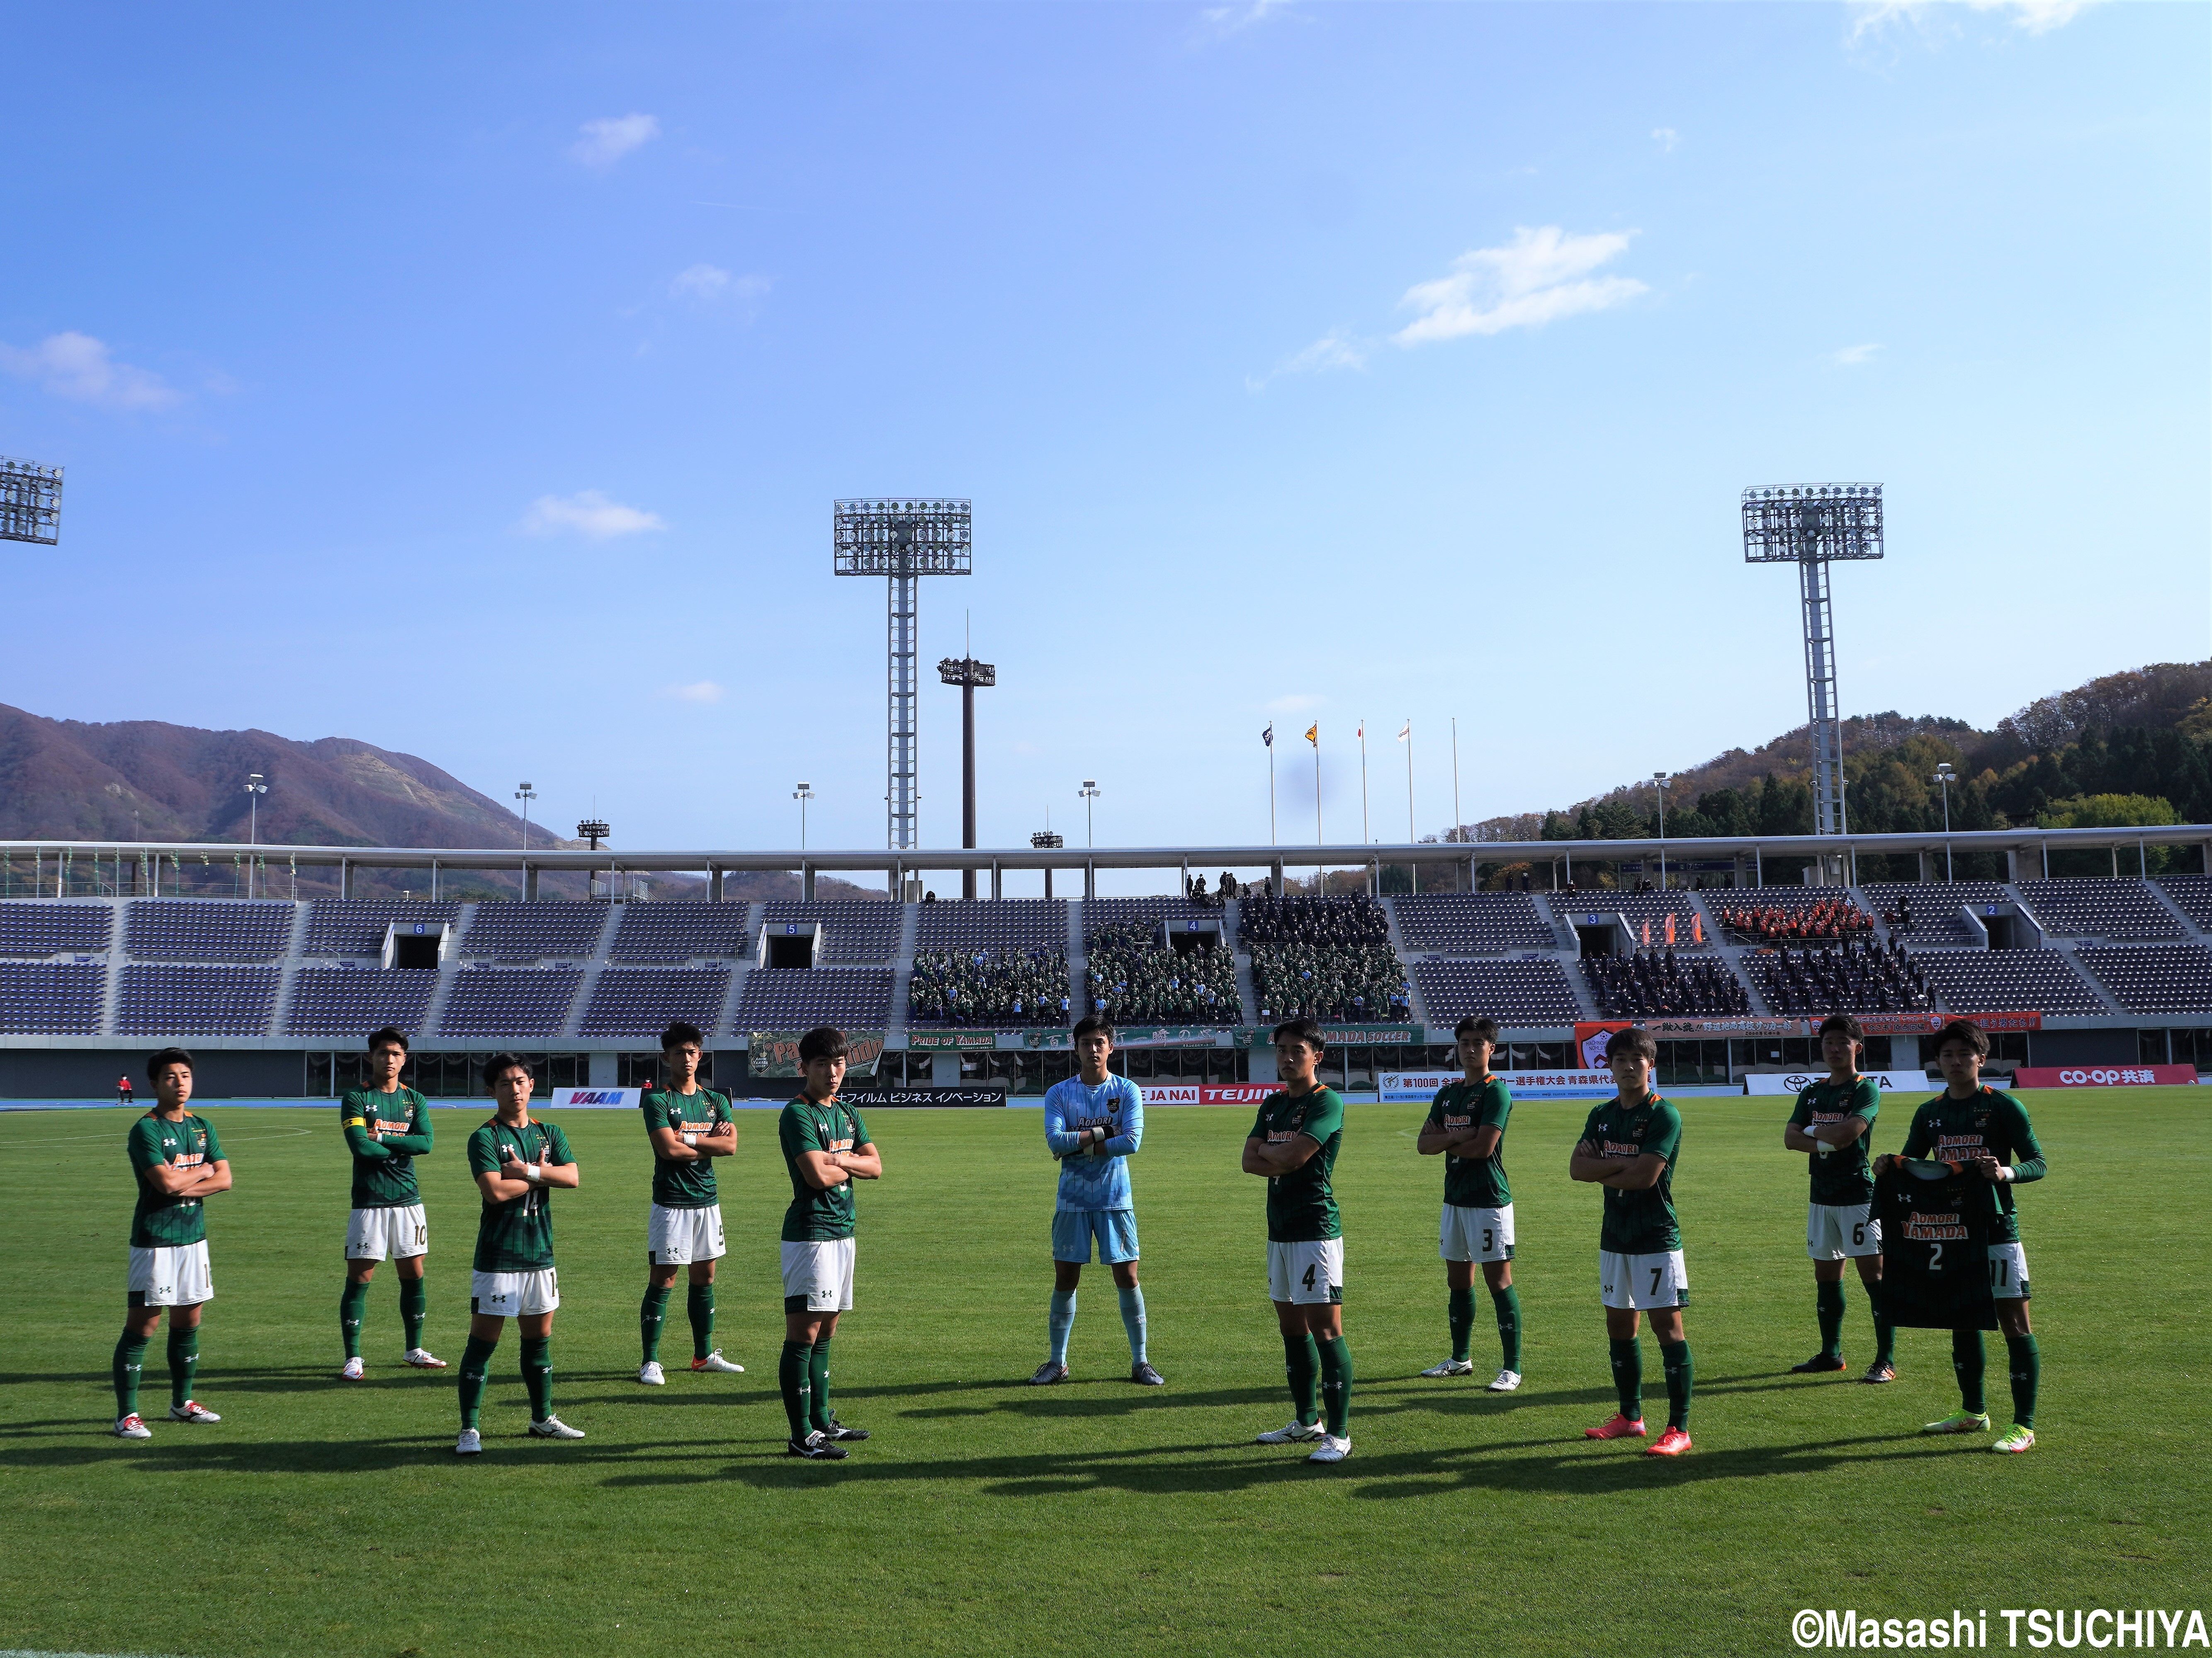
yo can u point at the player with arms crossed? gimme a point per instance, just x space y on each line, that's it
1093 1124
1972 1124
177 1162
826 1147
689 1127
1465 1126
1629 1146
1834 1125
386 1127
1293 1144
517 1162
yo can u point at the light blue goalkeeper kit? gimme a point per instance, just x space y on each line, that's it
1094 1182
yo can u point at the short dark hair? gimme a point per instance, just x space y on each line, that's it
1966 1031
1845 1023
1634 1040
1303 1029
1093 1024
679 1032
1482 1028
162 1060
500 1064
391 1032
824 1041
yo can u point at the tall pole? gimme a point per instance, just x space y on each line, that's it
903 731
1090 792
1364 835
1412 835
967 783
1457 819
1268 737
1659 779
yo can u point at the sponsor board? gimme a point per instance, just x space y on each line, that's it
1927 1025
1407 1086
775 1052
1167 1036
932 1097
1206 1093
1796 1081
2102 1076
597 1099
952 1042
1388 1036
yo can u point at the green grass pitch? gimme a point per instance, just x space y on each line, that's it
328 1517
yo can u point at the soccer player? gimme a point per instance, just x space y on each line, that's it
826 1148
1629 1146
689 1127
1094 1123
386 1127
1834 1125
1974 1124
179 1163
517 1162
1465 1126
1293 1146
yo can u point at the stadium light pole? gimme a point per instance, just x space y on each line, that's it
1811 525
803 793
30 502
903 540
1090 792
524 793
255 788
1659 781
968 673
1046 840
1945 777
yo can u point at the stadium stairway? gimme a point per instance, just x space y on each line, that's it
288 976
449 970
725 1018
902 972
1417 1004
1078 964
1232 927
111 992
2190 933
594 965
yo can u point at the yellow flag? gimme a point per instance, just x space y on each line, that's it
1313 733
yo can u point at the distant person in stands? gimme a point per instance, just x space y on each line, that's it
688 1127
1834 1125
123 1094
386 1127
1226 886
1465 1126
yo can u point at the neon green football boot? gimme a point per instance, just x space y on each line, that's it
1960 1422
2016 1440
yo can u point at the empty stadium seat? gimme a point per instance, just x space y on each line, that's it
47 926
1641 910
680 930
2153 978
1472 923
2191 895
2003 981
852 929
514 930
38 998
1018 924
641 1001
356 926
495 1002
349 1002
1925 914
207 929
787 999
2101 908
172 1001
1523 993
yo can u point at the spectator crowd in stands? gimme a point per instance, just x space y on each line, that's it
1357 920
989 989
1326 958
1650 983
1136 980
1859 977
1224 894
1775 924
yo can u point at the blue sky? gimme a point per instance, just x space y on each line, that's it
476 382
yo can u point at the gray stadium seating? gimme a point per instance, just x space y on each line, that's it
493 1001
1020 924
356 926
640 1001
852 929
177 1001
349 1002
2156 978
1934 907
1640 908
2099 908
2192 894
2005 981
51 998
787 999
40 927
1527 992
206 929
512 930
1472 923
680 930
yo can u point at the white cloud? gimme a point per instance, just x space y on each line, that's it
588 512
77 367
1853 355
1334 349
1667 137
611 137
1221 22
711 281
2035 16
1539 277
705 690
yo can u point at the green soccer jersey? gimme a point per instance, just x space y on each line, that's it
817 1215
386 1133
1987 1123
160 1221
1471 1182
1638 1223
1841 1174
684 1185
1301 1204
516 1235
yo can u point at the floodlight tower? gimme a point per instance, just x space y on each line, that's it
30 502
903 539
968 673
1808 525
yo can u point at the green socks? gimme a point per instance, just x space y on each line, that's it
184 1361
1675 1359
353 1306
1460 1309
1968 1362
1133 1320
699 1302
1628 1376
2027 1373
1336 1382
1507 1305
130 1362
1885 1340
537 1375
476 1361
1302 1365
791 1375
651 1313
414 1307
817 1385
1828 1299
1060 1323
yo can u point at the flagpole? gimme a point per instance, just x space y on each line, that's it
1271 794
1364 836
1320 875
1455 816
1412 835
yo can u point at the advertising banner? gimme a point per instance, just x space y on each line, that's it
1592 1036
1206 1093
598 1099
2102 1076
1388 1036
775 1052
1167 1036
1999 1021
1408 1086
1794 1083
950 1042
934 1096
1054 1039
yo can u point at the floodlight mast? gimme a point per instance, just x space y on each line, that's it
1808 525
903 539
968 673
30 502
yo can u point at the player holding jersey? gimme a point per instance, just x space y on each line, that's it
825 1148
1293 1143
177 1163
1465 1126
1979 1128
517 1162
1093 1124
386 1127
689 1127
1629 1146
1834 1125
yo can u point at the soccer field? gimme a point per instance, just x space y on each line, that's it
330 1517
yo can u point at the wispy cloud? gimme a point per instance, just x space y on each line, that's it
607 140
586 512
1335 349
1540 277
78 366
2035 16
1853 355
705 691
1666 136
711 281
1221 22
